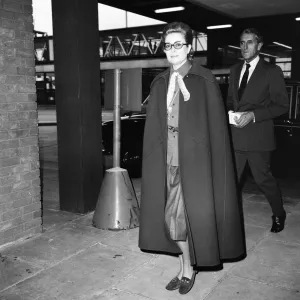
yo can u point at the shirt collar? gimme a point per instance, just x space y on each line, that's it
253 62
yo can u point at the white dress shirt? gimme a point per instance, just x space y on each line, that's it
253 64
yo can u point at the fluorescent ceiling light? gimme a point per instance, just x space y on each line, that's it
283 45
268 54
170 9
235 47
219 26
298 19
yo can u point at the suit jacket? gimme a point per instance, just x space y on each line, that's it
266 96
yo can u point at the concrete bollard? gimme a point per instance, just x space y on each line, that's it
117 207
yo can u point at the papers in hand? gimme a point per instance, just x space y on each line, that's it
234 115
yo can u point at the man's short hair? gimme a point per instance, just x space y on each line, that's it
254 31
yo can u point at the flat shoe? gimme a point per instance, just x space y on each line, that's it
174 284
186 284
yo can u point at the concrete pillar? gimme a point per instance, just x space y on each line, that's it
217 42
213 57
78 103
20 199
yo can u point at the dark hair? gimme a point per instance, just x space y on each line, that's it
182 28
254 31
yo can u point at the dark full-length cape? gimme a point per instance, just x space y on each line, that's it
207 173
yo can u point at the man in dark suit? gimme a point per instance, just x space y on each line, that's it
256 95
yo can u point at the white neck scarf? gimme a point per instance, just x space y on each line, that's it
172 85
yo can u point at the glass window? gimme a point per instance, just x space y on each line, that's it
41 49
285 63
39 77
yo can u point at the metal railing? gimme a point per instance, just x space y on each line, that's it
124 43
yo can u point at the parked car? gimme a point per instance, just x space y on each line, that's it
286 160
132 132
285 163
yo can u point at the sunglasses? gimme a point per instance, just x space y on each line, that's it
176 45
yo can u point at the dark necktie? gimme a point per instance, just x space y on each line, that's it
243 82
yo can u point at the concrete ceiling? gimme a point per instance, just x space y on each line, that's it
251 8
275 19
195 15
201 13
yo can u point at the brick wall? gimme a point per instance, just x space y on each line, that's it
20 201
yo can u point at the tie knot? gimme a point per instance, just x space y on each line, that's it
247 66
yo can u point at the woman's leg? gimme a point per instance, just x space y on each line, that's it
185 279
174 284
176 220
185 259
180 274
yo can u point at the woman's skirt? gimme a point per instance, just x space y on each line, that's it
175 218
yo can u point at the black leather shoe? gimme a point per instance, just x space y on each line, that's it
278 223
174 284
186 284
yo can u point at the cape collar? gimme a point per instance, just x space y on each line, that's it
196 70
183 70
